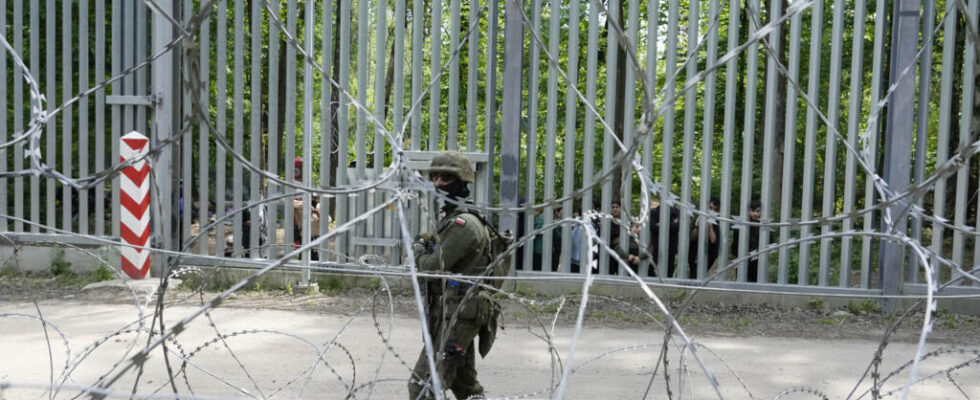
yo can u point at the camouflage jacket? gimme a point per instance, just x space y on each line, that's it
461 245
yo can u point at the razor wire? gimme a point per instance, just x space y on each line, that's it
628 157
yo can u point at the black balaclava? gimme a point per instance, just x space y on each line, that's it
456 190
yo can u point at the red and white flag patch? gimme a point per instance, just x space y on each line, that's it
459 221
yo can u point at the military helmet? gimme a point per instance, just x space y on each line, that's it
453 162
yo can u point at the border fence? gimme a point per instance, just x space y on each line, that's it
852 123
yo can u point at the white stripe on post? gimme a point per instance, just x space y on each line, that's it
134 194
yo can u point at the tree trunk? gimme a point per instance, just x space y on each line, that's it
780 132
620 97
334 100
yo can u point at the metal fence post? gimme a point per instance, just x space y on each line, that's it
164 79
510 136
898 142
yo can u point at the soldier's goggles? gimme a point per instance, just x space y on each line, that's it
446 176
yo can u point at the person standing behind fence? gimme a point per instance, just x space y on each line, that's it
711 238
672 242
298 212
755 212
460 245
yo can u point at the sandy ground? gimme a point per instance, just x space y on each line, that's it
264 346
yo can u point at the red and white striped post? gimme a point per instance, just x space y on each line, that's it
134 221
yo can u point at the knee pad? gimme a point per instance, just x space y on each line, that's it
453 351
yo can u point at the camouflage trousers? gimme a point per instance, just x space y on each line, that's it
455 363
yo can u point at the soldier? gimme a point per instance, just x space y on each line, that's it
457 311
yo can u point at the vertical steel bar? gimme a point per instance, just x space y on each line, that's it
66 114
609 115
551 126
18 80
100 107
35 65
872 147
666 171
3 120
140 35
707 137
690 108
51 93
748 144
342 121
830 156
769 136
289 126
898 147
472 49
967 108
854 112
510 110
255 125
362 88
118 88
187 146
204 133
629 114
417 81
571 102
531 157
727 152
789 146
489 139
944 126
452 125
238 124
165 76
398 91
326 120
921 134
272 158
588 170
379 107
435 66
653 16
128 45
307 228
960 202
810 139
221 93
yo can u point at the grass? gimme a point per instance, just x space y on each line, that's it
867 306
742 322
815 303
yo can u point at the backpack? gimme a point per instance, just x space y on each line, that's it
499 242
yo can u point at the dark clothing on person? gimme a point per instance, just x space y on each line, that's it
753 263
711 249
672 240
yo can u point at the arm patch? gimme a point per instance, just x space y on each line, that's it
460 221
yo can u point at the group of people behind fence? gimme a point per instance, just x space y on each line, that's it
634 255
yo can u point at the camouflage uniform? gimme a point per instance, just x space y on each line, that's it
461 246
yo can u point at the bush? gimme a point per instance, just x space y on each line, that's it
102 273
60 267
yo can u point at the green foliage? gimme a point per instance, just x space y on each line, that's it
867 306
102 273
949 322
289 288
815 303
828 321
741 322
331 284
59 266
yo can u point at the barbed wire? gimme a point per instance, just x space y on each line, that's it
408 186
